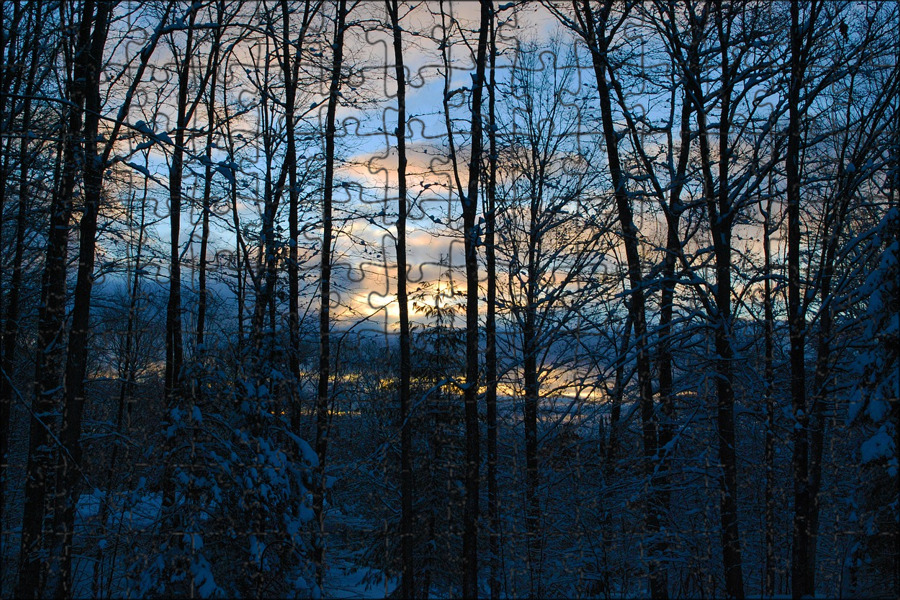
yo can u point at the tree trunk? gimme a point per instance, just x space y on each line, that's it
796 323
241 260
174 392
11 322
532 398
720 214
76 359
174 341
598 44
769 378
490 355
291 68
721 217
407 518
264 336
293 266
673 211
202 292
470 233
127 374
51 333
323 396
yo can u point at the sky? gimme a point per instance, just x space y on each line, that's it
365 264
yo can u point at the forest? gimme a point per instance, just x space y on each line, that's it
439 299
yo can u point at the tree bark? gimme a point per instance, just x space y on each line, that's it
323 396
672 211
530 351
127 374
470 233
206 200
769 401
291 68
407 517
174 341
76 359
595 30
618 393
11 324
490 358
720 213
800 539
51 332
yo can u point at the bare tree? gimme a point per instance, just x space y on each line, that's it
324 375
598 27
291 61
549 237
470 231
490 326
32 48
48 375
407 517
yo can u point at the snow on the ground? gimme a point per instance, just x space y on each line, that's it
343 579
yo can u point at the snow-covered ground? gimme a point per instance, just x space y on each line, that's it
343 579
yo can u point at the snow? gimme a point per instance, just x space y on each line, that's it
878 446
877 409
88 505
139 168
203 577
309 455
343 579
